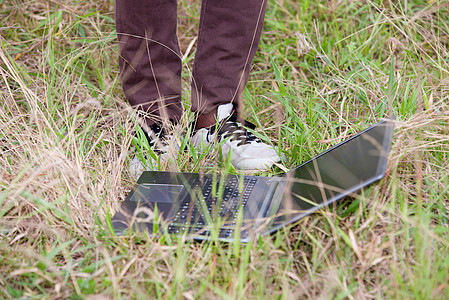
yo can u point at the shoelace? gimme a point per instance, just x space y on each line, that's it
235 131
156 138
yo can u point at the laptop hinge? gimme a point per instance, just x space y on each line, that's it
267 200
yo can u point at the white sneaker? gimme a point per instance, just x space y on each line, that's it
248 152
152 155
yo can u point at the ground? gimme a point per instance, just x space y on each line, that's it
324 70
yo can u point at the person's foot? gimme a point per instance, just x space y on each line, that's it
248 152
152 150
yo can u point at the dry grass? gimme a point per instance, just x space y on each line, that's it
64 157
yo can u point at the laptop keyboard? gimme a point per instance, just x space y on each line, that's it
194 216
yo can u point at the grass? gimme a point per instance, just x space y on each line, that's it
324 70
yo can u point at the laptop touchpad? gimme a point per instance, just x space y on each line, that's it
147 192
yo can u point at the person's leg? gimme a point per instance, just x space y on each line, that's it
229 34
149 57
228 38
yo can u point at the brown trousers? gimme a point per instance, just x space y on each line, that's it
150 58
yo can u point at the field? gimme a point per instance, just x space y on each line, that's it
324 70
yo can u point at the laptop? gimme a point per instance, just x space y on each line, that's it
242 207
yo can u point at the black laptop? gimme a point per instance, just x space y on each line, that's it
230 207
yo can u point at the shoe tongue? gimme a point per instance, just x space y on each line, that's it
224 111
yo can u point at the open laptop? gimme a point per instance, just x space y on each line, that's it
230 207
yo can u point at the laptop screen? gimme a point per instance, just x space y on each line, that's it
338 172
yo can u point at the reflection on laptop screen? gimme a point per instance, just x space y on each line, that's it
336 173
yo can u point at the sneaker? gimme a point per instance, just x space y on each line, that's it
248 152
153 152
